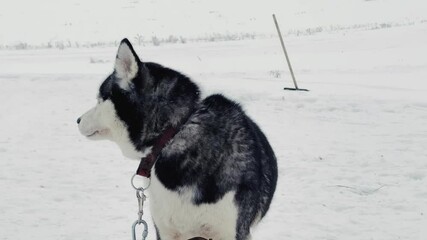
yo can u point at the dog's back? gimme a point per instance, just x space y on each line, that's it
217 151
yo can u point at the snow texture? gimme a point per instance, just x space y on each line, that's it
351 152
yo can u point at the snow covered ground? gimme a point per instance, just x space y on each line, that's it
352 152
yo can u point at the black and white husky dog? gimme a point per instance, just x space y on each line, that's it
214 178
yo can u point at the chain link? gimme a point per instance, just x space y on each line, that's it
141 199
144 233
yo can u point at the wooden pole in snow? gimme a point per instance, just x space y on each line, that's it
284 51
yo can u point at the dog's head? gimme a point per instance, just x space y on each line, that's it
137 102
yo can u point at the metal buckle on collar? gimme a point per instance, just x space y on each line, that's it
132 181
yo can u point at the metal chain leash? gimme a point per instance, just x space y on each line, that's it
141 198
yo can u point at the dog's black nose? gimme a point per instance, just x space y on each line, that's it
78 120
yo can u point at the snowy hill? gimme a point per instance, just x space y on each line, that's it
43 21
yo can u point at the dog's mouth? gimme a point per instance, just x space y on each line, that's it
93 134
97 133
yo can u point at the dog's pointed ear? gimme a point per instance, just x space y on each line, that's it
127 63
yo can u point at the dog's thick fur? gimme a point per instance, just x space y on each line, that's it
215 178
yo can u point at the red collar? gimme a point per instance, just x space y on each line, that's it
144 168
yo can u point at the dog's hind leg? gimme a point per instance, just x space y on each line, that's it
246 201
157 232
243 233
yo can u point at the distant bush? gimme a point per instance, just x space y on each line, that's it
96 60
139 39
276 73
212 37
172 39
155 41
21 46
60 45
336 28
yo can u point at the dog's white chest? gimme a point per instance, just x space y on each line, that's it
177 217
